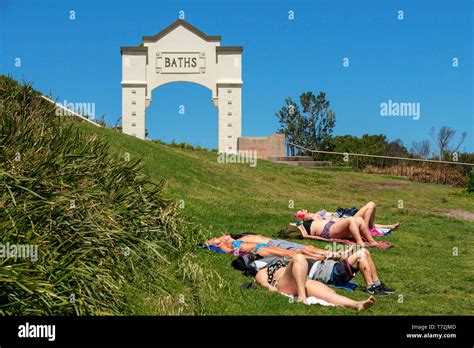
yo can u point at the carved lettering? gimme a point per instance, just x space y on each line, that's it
190 63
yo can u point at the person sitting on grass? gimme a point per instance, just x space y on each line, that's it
367 212
264 246
291 279
338 273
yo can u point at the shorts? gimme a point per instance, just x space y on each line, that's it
283 244
342 273
320 270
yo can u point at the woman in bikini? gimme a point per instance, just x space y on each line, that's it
352 227
367 212
265 246
291 279
237 247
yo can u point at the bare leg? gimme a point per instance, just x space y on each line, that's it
390 227
294 278
364 230
363 261
371 264
346 228
367 212
324 292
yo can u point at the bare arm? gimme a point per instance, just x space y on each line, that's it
313 255
226 248
275 251
306 234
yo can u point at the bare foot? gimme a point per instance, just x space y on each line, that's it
390 227
373 243
363 305
395 226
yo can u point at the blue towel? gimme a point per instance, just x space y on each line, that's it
216 249
350 286
212 247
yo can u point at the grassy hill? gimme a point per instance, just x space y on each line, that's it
428 278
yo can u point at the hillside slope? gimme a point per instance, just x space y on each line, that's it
81 231
430 265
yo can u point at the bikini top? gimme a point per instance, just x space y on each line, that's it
272 268
307 225
236 243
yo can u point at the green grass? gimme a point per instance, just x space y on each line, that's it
236 197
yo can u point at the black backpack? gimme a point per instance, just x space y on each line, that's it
346 212
240 235
246 263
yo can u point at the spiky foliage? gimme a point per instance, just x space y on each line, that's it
96 221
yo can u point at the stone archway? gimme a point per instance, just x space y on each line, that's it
183 53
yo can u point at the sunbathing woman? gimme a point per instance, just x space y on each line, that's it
347 228
240 247
367 212
291 280
264 246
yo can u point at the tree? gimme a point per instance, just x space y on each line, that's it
421 149
290 120
444 139
310 125
396 148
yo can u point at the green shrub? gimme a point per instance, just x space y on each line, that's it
94 218
470 181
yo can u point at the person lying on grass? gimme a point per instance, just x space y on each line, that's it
246 243
291 279
337 273
367 212
345 228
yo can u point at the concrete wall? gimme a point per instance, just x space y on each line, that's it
266 147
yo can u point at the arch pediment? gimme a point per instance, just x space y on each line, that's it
187 26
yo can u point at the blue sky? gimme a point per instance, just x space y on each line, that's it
389 59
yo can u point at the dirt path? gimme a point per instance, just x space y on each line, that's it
460 214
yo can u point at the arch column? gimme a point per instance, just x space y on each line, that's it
229 116
134 89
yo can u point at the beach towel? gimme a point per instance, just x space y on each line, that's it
211 247
379 231
381 245
235 252
349 286
310 300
